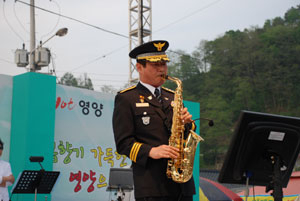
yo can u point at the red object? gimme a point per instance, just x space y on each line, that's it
215 191
292 188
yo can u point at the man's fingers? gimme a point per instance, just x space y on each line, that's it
164 151
186 117
172 152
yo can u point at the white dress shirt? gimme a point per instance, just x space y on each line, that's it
151 88
5 170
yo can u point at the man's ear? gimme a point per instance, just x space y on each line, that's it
138 67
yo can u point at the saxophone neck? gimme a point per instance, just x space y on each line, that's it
174 79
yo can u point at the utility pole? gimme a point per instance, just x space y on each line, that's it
38 56
140 28
32 37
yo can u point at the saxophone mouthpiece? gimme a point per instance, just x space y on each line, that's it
165 77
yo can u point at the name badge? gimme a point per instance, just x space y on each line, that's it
142 104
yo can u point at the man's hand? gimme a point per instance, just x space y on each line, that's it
164 151
186 117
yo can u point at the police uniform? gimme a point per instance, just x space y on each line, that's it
140 122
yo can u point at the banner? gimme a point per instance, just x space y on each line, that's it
84 149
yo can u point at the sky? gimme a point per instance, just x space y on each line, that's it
104 56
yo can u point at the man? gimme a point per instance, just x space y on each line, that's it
6 177
142 124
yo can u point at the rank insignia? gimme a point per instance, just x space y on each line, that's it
146 120
142 98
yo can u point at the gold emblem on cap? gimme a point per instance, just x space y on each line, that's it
159 46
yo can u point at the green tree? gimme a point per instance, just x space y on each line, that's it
81 82
256 69
292 16
108 89
68 79
85 82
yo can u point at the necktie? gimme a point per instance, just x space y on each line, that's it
157 94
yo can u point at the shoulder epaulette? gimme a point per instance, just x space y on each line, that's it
169 90
127 89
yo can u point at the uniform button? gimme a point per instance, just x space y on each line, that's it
145 113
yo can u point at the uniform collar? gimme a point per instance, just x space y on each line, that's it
147 94
150 88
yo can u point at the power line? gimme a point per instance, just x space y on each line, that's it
19 21
103 56
76 20
10 24
7 61
100 80
183 54
54 28
98 58
88 24
93 73
187 16
103 80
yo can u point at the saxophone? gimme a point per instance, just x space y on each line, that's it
181 168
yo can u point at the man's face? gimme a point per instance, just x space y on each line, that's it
1 150
152 72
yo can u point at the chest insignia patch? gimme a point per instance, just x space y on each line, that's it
142 98
146 120
142 104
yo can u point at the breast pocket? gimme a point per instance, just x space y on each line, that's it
145 116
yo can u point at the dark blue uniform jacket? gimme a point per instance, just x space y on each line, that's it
141 122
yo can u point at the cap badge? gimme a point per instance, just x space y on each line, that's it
159 46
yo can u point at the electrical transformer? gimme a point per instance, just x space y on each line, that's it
42 57
21 57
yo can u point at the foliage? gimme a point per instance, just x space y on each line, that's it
257 69
81 82
108 89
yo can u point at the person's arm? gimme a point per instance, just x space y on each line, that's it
124 132
7 181
166 151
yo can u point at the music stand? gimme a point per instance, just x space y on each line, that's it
37 182
120 180
262 152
